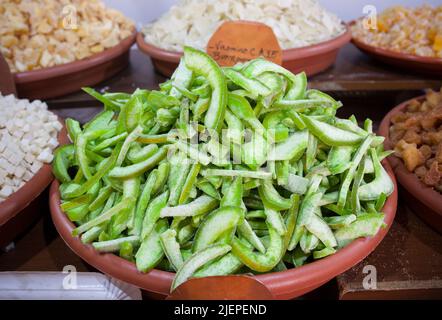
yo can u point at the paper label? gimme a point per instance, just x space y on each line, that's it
240 41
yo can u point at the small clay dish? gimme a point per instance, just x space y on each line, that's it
282 285
66 78
404 61
311 59
423 200
21 209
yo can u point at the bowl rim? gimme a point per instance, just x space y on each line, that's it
423 193
390 53
20 199
77 65
287 54
280 283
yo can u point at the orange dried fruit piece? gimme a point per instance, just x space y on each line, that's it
437 44
412 158
382 27
410 154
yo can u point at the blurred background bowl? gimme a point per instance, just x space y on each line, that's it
311 59
403 61
69 77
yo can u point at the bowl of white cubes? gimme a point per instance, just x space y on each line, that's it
29 134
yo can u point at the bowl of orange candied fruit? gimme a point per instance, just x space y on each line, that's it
413 130
62 45
409 38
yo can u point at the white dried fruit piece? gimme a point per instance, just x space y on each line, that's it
48 126
29 158
45 156
16 183
57 125
52 143
6 191
36 166
53 118
9 168
27 140
26 128
19 172
27 176
3 163
18 133
35 149
3 175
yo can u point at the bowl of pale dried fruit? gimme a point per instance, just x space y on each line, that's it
29 134
54 49
413 130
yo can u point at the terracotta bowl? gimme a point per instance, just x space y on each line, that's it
23 207
423 200
283 285
311 59
66 78
404 61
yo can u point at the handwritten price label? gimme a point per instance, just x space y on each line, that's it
240 41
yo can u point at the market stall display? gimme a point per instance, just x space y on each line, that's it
137 192
28 135
412 129
223 180
309 35
404 37
63 45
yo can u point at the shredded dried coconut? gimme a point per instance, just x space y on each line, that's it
296 23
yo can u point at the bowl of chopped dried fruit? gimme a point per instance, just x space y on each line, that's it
61 48
29 134
405 37
413 130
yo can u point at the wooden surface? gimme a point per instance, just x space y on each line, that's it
352 72
41 249
408 261
408 264
366 87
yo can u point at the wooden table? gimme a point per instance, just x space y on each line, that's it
366 88
408 264
408 261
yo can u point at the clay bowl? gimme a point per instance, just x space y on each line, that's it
283 285
311 59
66 78
406 62
423 200
21 209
